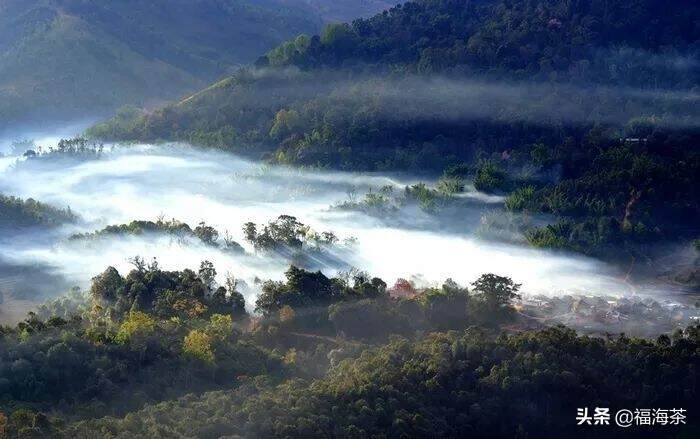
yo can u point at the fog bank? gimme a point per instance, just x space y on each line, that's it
146 182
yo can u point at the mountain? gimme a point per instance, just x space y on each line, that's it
608 62
68 58
348 10
585 111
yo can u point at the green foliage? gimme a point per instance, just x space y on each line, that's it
71 148
383 202
496 291
448 307
115 53
111 357
136 227
489 177
428 199
369 320
154 335
304 289
374 202
220 326
445 385
334 11
285 124
206 234
522 199
362 308
617 200
198 345
166 294
18 213
450 185
602 237
319 117
30 425
306 363
299 244
540 155
135 324
285 231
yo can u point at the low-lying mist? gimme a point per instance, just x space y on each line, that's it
190 185
668 104
532 102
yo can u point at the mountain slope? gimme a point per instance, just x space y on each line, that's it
63 58
348 10
567 47
586 111
531 39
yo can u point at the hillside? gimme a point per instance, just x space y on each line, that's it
447 385
585 111
16 213
61 59
558 49
530 38
158 353
348 10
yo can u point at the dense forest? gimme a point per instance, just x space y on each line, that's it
16 213
342 356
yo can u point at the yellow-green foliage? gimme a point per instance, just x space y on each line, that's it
137 323
220 326
199 345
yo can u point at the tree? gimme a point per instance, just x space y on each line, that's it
29 425
447 307
231 245
250 232
137 323
496 291
207 273
489 177
107 287
235 298
286 122
220 326
303 288
208 234
198 344
329 238
189 307
138 263
338 36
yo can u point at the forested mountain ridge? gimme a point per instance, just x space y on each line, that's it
61 59
555 42
447 385
348 10
157 353
519 37
583 110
